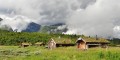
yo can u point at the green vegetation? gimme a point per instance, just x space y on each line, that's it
87 39
115 42
12 52
46 29
54 28
15 38
62 53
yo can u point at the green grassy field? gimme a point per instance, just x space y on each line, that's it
61 53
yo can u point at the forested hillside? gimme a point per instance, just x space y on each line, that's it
15 38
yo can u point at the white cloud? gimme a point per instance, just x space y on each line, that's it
89 17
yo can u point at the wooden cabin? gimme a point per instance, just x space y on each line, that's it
64 42
25 44
51 44
91 42
39 44
60 42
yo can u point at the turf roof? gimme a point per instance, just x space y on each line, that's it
102 40
68 41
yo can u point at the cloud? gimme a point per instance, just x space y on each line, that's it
96 18
16 22
89 17
44 11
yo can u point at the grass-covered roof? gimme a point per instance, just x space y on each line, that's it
69 40
102 40
63 40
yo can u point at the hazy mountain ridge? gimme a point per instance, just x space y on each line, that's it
32 27
55 28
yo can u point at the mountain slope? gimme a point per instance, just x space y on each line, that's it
32 27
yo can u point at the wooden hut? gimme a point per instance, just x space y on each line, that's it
25 44
91 42
51 44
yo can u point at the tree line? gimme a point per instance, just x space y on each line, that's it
15 38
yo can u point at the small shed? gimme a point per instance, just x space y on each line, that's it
51 44
25 44
39 44
86 43
81 44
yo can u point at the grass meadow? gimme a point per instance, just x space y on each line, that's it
61 53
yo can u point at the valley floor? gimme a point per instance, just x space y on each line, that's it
61 53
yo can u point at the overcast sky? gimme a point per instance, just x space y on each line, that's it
89 17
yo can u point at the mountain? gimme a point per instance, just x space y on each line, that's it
55 28
6 27
58 24
1 19
32 27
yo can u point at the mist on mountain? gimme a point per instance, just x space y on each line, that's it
88 17
32 27
1 19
